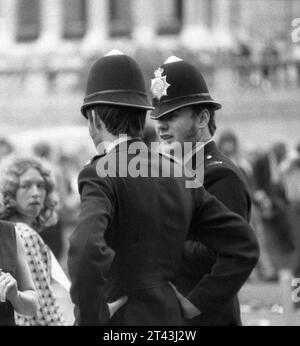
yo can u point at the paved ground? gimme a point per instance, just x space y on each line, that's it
268 304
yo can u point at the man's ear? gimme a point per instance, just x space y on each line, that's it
97 123
203 118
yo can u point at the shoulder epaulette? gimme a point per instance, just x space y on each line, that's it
215 163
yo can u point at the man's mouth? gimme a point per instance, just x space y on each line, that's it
166 138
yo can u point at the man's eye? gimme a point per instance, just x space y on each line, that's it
25 186
173 117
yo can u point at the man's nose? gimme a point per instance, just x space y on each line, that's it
161 125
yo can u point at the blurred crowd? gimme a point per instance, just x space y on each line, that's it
273 175
270 66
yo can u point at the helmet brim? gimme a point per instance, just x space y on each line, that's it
165 107
117 98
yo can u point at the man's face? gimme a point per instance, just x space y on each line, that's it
178 126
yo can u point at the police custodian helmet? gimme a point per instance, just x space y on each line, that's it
116 79
178 84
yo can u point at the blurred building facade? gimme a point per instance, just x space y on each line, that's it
50 44
47 47
87 25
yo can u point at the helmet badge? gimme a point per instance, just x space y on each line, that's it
159 84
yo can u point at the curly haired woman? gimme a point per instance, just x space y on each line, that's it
27 189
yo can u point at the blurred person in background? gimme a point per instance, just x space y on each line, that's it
6 148
298 149
291 181
269 58
67 185
244 63
43 150
27 187
52 235
185 113
229 145
270 198
68 166
17 292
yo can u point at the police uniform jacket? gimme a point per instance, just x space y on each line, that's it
226 182
130 237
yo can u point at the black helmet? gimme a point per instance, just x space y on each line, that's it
178 84
116 79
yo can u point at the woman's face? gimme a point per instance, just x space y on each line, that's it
30 195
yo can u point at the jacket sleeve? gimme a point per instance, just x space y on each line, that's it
89 256
233 241
228 188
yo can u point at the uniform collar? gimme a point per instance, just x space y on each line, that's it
121 144
199 146
105 147
109 146
210 147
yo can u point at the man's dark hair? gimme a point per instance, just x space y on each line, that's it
122 120
197 109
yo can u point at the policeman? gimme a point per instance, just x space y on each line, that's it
185 112
125 251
